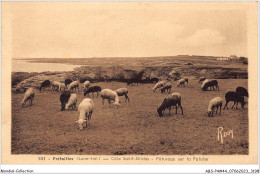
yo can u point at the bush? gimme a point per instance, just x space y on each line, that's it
17 77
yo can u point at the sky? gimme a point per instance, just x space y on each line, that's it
121 29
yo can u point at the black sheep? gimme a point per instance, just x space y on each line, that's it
67 82
234 96
93 89
172 100
64 97
211 84
45 84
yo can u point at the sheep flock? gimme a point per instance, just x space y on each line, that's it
70 90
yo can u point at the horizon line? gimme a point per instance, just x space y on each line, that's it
117 57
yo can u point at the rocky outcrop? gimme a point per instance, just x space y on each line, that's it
123 73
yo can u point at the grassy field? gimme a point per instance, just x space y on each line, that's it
133 128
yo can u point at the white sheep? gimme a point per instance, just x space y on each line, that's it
204 82
28 95
72 102
181 82
159 85
85 109
86 85
73 85
55 85
121 92
110 95
62 86
213 104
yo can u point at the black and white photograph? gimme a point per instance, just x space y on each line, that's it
127 79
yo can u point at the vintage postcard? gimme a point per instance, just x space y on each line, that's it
129 83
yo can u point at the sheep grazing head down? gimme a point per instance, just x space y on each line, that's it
116 104
159 111
163 106
67 107
62 107
209 112
82 123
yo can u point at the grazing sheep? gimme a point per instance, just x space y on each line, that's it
242 91
45 84
93 89
86 85
234 96
159 85
167 87
62 86
201 79
73 85
110 95
121 92
173 99
85 109
72 102
28 95
64 97
209 84
55 85
213 104
181 82
67 82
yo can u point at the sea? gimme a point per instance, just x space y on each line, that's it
23 65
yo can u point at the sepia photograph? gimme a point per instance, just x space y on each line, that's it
128 79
